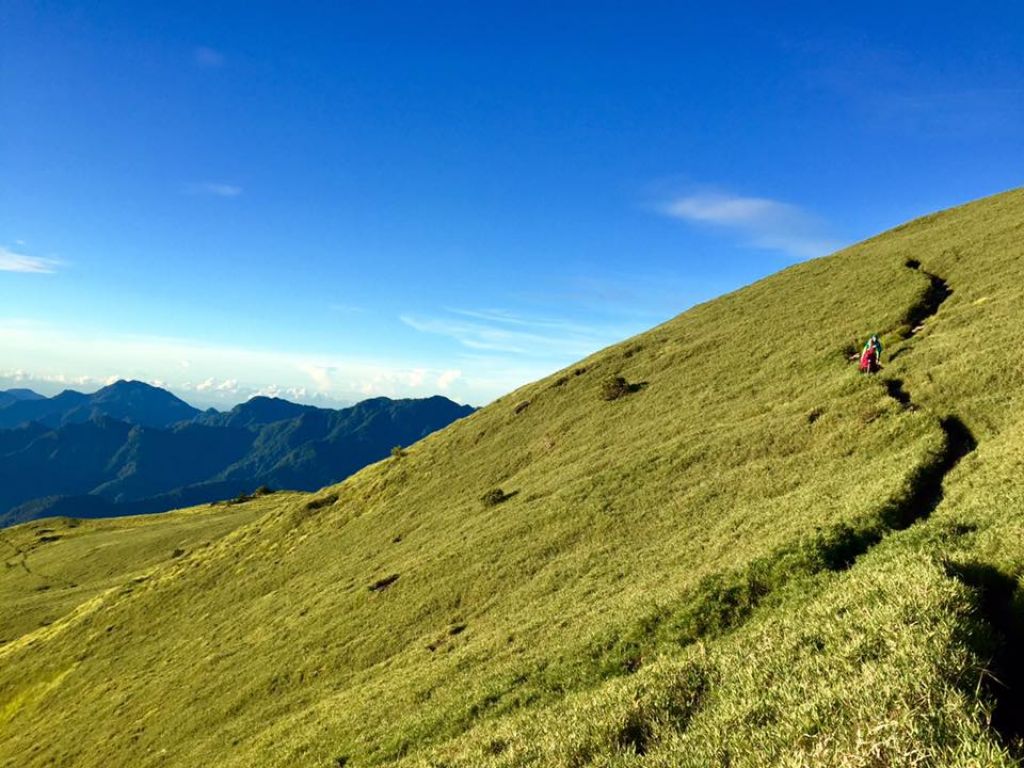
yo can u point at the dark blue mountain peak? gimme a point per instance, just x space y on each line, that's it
20 393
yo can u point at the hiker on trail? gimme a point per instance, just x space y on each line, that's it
875 343
869 359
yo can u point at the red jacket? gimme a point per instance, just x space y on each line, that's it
869 360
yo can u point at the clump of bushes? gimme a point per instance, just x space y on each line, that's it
495 497
562 380
616 387
263 490
397 452
632 350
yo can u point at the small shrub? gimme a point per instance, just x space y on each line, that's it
397 452
617 387
242 498
495 497
496 746
323 501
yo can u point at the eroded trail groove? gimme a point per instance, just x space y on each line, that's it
936 294
999 598
926 491
722 602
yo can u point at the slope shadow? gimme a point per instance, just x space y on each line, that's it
1000 603
894 388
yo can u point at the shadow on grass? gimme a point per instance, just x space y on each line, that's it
1001 605
894 388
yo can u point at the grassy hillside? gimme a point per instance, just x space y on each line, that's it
712 544
52 566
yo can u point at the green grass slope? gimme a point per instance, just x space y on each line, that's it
50 567
742 554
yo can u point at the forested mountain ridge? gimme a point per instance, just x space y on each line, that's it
124 449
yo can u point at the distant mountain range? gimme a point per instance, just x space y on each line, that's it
132 448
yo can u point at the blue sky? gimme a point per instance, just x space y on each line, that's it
328 201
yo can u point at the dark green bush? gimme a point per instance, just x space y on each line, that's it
616 387
495 497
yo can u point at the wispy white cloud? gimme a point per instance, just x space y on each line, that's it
51 381
760 221
207 58
214 189
229 386
728 210
12 261
499 331
321 375
446 379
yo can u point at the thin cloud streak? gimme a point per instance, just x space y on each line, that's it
761 221
11 261
214 189
505 332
